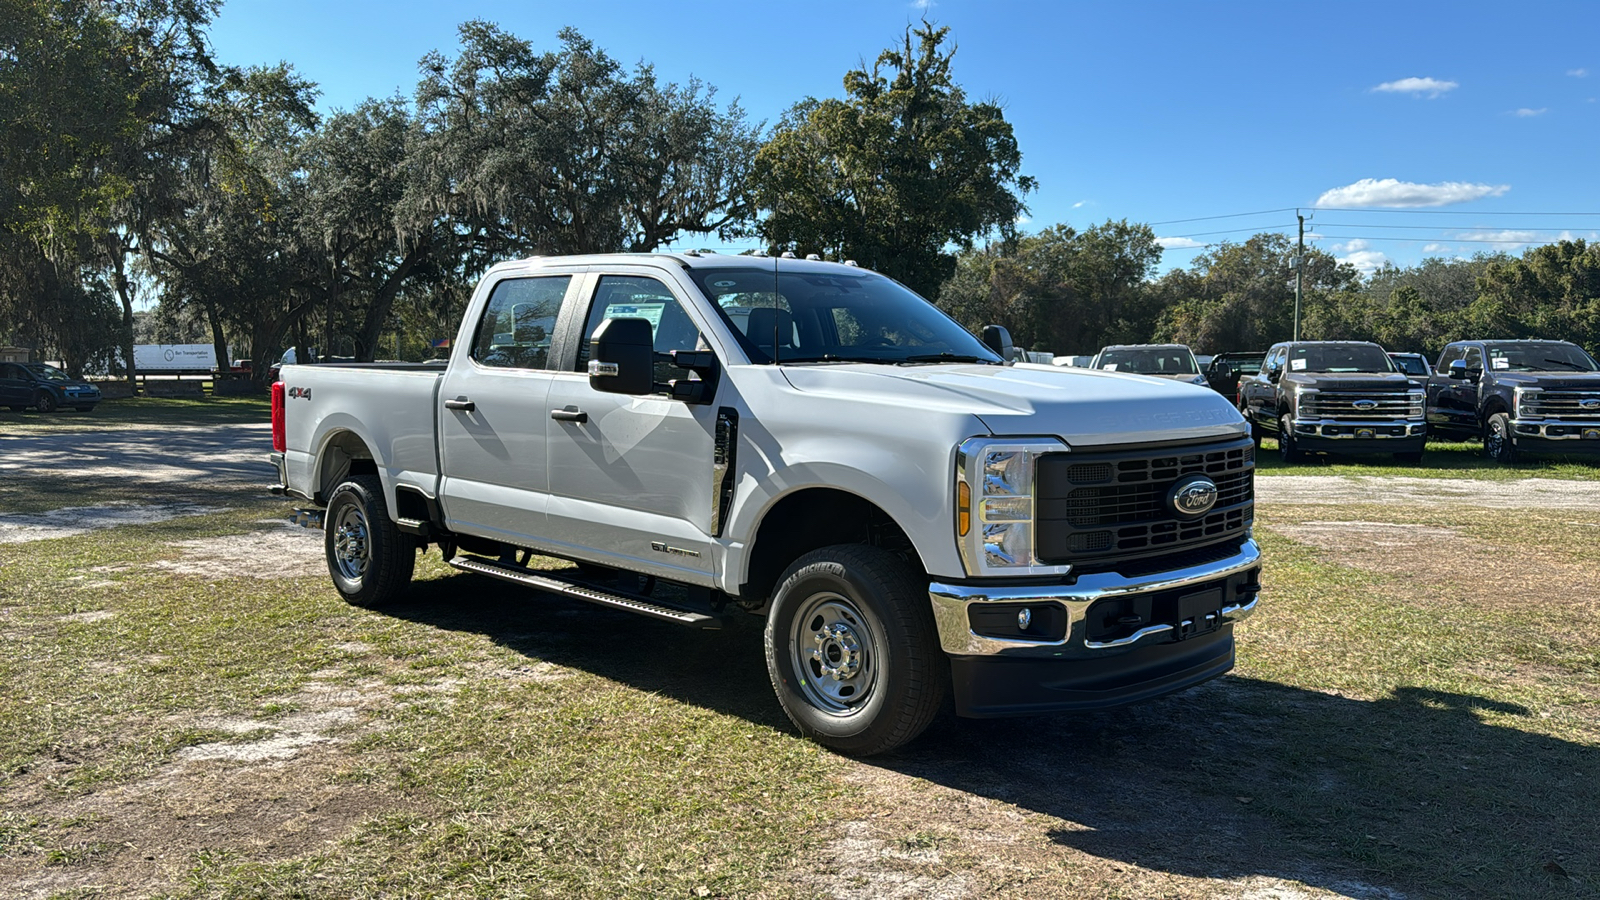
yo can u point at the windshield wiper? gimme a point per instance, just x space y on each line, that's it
1570 365
834 358
947 357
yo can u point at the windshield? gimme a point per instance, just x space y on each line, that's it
819 317
1149 360
1339 358
47 373
1410 365
1539 357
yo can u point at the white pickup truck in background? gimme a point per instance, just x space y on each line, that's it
915 517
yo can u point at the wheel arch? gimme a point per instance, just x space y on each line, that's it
808 519
342 453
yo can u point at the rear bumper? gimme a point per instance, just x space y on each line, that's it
1097 640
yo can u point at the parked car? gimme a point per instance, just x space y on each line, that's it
1412 363
1225 371
910 512
1171 361
45 388
1518 397
1335 397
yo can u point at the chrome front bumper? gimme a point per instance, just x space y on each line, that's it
1557 429
1347 429
952 604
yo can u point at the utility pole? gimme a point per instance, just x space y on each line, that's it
1299 272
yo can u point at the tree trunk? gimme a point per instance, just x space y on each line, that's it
382 305
125 294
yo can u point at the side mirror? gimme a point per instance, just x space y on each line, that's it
998 339
1273 374
622 357
1458 369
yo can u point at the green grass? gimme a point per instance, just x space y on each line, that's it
132 412
1440 460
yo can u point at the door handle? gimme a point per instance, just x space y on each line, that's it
570 414
460 404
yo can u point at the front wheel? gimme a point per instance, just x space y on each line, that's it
1287 451
852 649
1497 443
45 402
370 560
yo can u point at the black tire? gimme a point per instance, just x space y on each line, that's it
369 560
1255 428
1497 441
1287 451
852 612
45 402
1413 457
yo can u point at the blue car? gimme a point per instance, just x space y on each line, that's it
45 388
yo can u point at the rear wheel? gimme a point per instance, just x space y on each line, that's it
45 402
369 559
1497 444
852 649
1287 451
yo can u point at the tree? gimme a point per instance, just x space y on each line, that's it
1553 292
897 173
1060 290
566 152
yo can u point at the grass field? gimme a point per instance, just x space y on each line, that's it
134 412
187 710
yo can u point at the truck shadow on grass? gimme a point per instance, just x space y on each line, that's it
1414 792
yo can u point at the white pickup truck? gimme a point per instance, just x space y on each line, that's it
916 518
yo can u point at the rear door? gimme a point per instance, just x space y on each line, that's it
631 478
13 392
492 410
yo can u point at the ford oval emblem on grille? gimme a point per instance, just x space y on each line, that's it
1192 497
1365 405
1589 404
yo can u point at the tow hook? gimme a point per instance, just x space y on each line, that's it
307 518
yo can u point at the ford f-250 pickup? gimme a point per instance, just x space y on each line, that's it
1335 397
1518 396
915 517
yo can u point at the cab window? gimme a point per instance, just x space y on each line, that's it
639 297
1474 359
1450 355
518 321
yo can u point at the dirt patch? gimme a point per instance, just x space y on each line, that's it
1526 493
283 550
75 520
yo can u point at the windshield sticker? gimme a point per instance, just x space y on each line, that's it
1299 365
1110 367
1500 362
650 312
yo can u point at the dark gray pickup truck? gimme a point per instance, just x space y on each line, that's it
1335 397
1519 397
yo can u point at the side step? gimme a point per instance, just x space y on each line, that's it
549 581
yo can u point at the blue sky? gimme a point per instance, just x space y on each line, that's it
1473 126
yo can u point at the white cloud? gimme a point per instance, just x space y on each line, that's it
922 4
1178 243
1079 204
1417 87
1366 261
1526 113
1578 73
1313 236
1507 237
1391 192
1434 248
1022 220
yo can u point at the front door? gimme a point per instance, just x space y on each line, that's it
493 412
631 477
14 391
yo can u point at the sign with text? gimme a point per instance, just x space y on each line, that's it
174 357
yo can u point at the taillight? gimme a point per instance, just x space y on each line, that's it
280 438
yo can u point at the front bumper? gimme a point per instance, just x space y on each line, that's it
1556 436
1347 436
1179 634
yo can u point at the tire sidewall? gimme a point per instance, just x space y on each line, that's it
1286 448
46 402
1507 449
377 584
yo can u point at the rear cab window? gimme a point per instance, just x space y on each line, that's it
518 323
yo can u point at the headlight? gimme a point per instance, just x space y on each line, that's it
995 505
1528 402
1417 404
1305 402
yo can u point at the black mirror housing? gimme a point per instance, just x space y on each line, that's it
622 357
998 339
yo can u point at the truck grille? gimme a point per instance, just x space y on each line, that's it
1561 405
1368 406
1101 507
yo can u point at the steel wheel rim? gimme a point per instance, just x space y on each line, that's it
833 653
351 542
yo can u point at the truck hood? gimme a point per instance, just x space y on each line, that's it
1084 407
1352 381
1551 381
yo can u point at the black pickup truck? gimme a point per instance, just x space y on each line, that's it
1518 397
1227 370
1335 397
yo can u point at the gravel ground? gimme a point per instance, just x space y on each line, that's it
1527 493
153 454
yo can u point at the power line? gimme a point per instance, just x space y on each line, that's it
1441 212
1428 227
1231 231
1359 237
1260 212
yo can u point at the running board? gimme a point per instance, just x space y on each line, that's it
555 584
